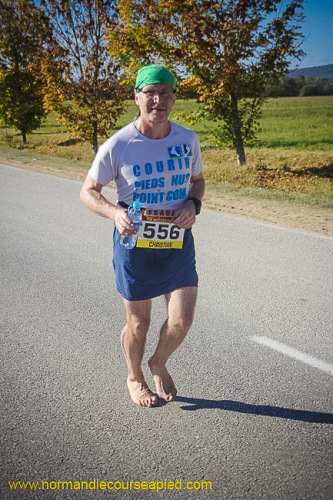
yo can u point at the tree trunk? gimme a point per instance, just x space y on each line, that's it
238 138
24 138
95 139
241 159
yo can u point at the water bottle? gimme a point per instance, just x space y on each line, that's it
135 214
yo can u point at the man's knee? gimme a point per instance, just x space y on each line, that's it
181 323
181 307
137 318
138 325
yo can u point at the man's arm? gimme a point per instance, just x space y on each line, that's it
185 216
93 199
197 187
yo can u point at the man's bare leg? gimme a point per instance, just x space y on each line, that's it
181 306
133 339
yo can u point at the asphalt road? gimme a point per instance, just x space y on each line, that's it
253 417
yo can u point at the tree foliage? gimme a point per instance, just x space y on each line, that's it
81 81
227 51
299 86
21 99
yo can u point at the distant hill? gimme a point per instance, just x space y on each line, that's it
315 72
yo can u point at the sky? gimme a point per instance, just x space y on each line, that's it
317 29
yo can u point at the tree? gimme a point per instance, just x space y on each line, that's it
81 81
21 99
284 87
299 86
227 50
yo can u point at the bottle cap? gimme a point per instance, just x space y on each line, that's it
137 205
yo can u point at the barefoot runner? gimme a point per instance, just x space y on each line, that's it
158 163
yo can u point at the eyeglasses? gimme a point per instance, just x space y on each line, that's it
163 94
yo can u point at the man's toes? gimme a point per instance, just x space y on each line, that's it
170 397
153 401
141 394
149 402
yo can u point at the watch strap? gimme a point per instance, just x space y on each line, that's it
197 203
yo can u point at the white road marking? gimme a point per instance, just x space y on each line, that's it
294 353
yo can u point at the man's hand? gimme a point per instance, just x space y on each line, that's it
184 217
123 223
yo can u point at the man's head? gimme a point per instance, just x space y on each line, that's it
154 74
155 89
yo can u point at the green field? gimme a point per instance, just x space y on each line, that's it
292 160
304 123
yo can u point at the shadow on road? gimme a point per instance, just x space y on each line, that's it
194 404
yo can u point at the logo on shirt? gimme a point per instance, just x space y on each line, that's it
183 150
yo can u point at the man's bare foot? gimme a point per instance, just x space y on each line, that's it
141 394
165 387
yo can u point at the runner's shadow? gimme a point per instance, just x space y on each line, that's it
194 404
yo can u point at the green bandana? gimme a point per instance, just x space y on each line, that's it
154 74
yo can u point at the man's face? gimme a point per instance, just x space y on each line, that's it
155 102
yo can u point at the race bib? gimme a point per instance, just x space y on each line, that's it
157 230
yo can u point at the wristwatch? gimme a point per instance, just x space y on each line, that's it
197 204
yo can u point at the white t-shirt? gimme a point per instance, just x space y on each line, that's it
155 172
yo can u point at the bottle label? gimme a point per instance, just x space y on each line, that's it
157 231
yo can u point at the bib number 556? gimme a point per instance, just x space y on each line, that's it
161 231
